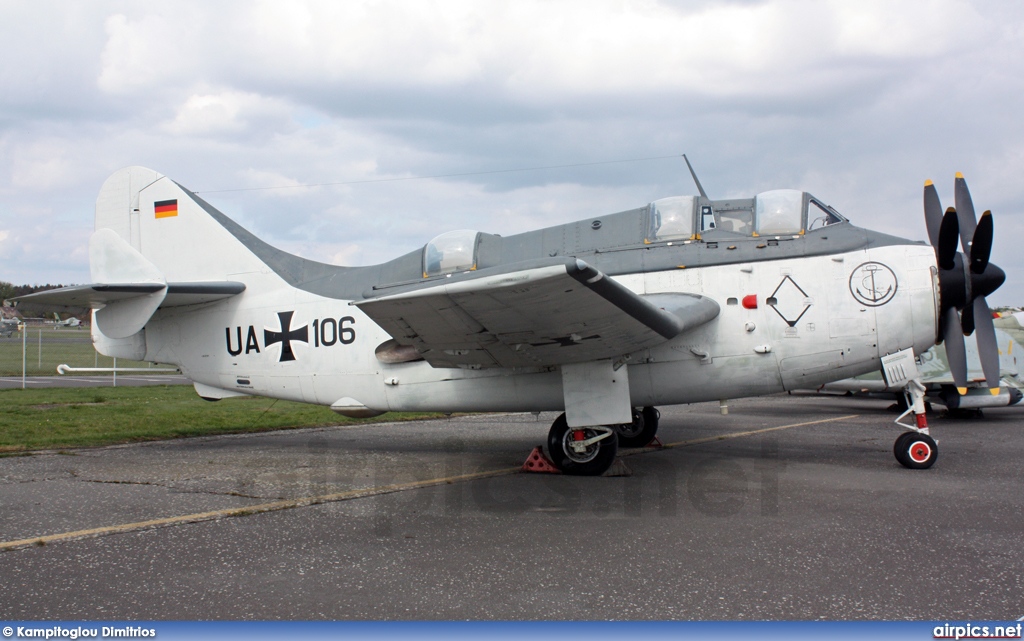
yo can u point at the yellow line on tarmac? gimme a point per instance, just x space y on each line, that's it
725 437
350 494
251 509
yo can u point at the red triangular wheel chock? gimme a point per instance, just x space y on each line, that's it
655 442
538 463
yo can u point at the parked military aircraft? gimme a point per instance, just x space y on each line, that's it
938 379
70 322
1012 323
682 300
8 326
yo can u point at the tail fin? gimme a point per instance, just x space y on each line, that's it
178 233
156 245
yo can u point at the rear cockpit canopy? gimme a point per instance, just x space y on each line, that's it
451 252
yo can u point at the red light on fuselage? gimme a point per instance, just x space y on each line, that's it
750 301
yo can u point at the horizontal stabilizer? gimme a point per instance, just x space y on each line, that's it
93 296
98 295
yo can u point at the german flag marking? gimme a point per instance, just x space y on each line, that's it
165 208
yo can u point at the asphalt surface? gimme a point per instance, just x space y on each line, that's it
816 521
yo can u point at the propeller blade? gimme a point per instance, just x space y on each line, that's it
967 319
932 212
956 352
965 210
988 348
981 245
949 230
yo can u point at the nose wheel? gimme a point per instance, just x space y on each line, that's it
915 449
582 451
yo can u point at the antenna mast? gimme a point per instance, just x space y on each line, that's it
700 188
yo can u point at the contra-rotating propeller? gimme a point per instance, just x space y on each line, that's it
965 279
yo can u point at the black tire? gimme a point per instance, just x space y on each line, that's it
641 431
594 461
898 448
653 416
916 451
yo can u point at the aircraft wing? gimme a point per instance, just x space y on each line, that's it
535 314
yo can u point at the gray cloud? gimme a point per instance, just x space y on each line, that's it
857 103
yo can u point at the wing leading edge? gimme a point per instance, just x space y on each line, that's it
533 315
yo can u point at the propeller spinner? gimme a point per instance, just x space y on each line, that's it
965 279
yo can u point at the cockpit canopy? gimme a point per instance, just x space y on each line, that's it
672 218
771 213
453 251
821 215
780 211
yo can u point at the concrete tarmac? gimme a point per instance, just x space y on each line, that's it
786 508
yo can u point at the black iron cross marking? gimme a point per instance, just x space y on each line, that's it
286 336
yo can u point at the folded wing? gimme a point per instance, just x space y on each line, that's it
535 314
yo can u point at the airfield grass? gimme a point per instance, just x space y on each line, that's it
48 419
46 347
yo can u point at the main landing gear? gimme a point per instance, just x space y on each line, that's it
641 431
915 449
590 451
582 451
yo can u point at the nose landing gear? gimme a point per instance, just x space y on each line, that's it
915 449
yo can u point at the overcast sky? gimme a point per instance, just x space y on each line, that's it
857 103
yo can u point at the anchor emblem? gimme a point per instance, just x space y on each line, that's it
873 284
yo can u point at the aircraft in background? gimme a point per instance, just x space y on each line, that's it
8 326
682 300
938 379
70 322
1012 323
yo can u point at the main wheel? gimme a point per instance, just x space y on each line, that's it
641 431
593 459
915 450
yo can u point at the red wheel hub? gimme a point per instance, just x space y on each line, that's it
920 451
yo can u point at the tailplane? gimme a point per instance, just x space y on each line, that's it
156 245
